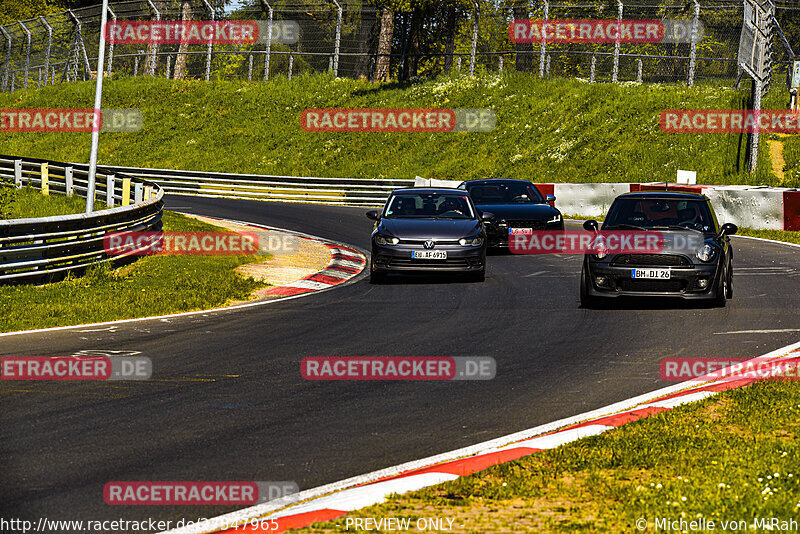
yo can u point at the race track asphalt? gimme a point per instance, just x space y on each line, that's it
227 401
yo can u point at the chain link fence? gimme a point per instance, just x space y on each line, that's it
346 38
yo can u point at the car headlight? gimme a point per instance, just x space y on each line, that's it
386 240
470 241
556 219
707 253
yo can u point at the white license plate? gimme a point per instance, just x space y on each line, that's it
652 274
429 254
515 231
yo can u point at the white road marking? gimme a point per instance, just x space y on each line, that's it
776 331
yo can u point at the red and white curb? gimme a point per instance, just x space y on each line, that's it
337 499
345 264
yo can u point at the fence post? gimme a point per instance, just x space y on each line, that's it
39 85
111 43
110 190
330 63
79 36
500 64
474 48
153 47
543 49
693 48
7 70
136 65
169 61
289 74
250 68
126 191
210 46
48 48
13 81
69 181
592 68
615 73
458 64
45 170
269 42
639 71
53 79
338 40
27 51
137 193
18 173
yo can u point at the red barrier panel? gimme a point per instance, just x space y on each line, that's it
791 210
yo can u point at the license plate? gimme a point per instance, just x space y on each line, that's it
429 254
651 274
515 231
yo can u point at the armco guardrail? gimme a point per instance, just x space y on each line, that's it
757 207
346 191
43 248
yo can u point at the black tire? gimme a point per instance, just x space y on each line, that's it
376 277
480 276
729 287
587 301
721 290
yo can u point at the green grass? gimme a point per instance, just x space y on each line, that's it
152 285
735 456
777 235
547 130
29 202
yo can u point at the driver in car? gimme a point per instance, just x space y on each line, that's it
450 204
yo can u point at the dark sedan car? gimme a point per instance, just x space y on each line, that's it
517 205
426 229
694 259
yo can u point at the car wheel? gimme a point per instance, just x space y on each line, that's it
587 301
729 286
722 289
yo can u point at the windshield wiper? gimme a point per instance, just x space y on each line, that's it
675 227
630 226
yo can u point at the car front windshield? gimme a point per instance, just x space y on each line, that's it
664 213
429 205
504 193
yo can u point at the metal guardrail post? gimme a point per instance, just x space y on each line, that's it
543 49
111 44
48 48
693 49
137 193
7 70
27 51
615 73
474 48
269 43
110 190
18 173
153 53
209 47
126 191
45 176
338 38
70 186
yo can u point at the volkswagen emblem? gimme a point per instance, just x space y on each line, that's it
429 244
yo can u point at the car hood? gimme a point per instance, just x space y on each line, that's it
520 211
429 228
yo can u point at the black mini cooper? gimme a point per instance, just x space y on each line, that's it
695 260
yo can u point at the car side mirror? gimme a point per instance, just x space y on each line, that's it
728 229
487 216
373 214
590 225
550 198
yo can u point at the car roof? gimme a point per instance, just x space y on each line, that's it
430 190
664 195
497 181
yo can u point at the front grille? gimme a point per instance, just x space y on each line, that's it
651 260
421 242
527 223
672 285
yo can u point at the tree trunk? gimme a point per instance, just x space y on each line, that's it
180 61
450 42
413 44
383 62
524 61
366 41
